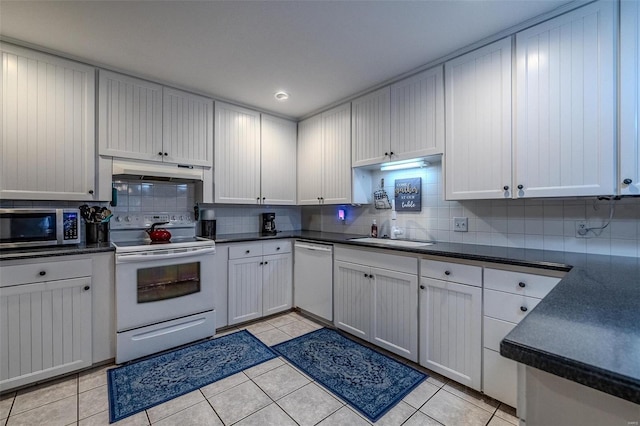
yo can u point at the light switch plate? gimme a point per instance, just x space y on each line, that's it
460 224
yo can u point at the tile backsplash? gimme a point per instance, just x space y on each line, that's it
548 224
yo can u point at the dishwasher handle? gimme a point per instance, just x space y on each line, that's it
313 247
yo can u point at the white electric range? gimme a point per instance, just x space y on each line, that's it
164 291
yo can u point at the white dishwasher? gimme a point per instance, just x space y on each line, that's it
313 278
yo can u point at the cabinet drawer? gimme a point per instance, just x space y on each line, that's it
507 306
500 377
239 251
276 247
449 271
519 282
47 271
406 264
494 332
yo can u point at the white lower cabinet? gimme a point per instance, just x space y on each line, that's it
260 280
375 299
46 317
450 321
508 297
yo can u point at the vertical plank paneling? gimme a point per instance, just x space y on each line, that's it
336 176
47 127
237 155
417 115
565 104
45 330
450 317
278 160
396 312
353 299
310 160
371 128
478 123
130 117
180 136
245 289
629 96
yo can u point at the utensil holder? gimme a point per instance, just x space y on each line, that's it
97 232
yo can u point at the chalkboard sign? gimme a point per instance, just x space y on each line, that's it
408 195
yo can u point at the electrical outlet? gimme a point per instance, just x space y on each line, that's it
581 228
460 224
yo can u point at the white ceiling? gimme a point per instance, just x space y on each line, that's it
318 51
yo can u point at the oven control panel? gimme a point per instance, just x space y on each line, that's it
137 221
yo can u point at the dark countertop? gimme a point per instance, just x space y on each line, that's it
68 250
587 329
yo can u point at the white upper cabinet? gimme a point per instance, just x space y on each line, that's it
310 160
47 110
129 117
370 128
336 171
324 157
478 141
565 104
629 179
237 155
417 116
278 171
146 121
187 128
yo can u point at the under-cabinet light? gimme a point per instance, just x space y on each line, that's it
399 165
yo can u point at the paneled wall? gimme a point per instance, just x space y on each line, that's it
532 223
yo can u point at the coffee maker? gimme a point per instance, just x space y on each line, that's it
208 223
269 224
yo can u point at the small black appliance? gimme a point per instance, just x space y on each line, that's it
207 223
269 224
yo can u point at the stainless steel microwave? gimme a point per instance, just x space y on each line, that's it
38 227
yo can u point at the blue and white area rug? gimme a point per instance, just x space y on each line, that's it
369 381
143 384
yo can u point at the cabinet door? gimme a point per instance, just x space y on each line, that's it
566 92
478 141
336 160
245 289
187 128
353 290
629 97
417 115
310 160
278 161
450 330
370 128
46 330
237 156
277 284
130 117
47 118
395 319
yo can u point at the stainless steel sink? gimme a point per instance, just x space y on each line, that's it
393 243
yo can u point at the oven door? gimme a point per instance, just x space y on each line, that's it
156 286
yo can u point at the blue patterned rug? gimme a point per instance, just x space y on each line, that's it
143 384
369 381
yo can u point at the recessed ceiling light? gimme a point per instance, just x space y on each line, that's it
281 96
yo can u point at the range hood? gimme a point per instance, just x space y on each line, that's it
127 169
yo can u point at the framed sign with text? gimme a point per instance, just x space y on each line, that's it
408 194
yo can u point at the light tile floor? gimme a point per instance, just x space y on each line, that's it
272 393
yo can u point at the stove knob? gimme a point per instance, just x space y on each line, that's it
181 217
118 219
127 219
173 217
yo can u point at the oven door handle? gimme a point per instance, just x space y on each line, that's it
126 258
